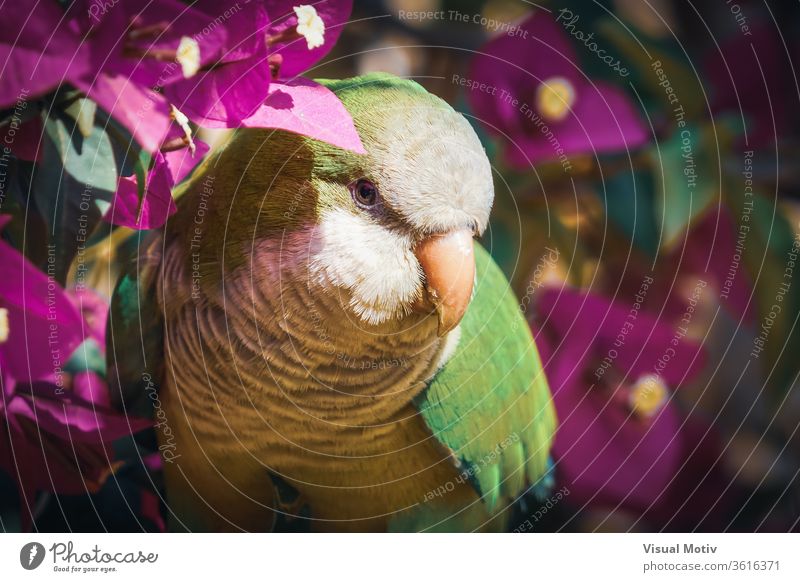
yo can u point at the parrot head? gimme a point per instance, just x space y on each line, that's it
391 230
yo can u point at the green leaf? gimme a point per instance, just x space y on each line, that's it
767 255
87 357
686 180
82 111
140 169
630 207
89 160
127 151
75 172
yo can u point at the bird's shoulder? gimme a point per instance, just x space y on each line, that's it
490 402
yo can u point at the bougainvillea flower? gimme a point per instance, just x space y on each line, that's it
55 440
128 51
136 48
215 64
87 366
235 83
529 90
612 369
714 251
153 208
289 40
94 312
182 161
310 26
156 205
144 113
37 51
89 386
48 48
305 107
41 328
699 496
55 429
153 43
296 55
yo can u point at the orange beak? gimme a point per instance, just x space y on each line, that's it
449 266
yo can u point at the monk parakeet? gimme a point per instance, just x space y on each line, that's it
317 334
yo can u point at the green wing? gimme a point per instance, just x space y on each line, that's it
490 404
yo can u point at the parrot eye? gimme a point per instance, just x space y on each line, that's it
364 192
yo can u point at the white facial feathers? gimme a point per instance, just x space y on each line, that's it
372 264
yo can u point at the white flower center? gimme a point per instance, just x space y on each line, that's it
310 26
188 56
183 122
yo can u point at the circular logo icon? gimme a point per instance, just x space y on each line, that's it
31 555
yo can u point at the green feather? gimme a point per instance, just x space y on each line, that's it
491 403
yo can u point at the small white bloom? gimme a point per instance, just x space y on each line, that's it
310 26
3 325
188 56
183 122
